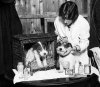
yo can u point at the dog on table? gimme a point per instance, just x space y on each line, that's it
65 61
37 52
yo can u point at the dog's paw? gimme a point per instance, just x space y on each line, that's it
40 66
46 65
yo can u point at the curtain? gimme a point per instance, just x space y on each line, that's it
7 1
94 24
10 25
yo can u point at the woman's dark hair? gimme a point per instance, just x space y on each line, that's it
69 10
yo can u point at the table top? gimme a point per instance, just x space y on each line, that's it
59 81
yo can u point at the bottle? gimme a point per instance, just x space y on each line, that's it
20 67
87 69
76 67
26 73
81 68
66 66
33 10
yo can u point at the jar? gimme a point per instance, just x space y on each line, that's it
76 67
87 69
20 67
26 73
81 68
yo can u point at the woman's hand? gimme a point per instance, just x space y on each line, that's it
76 50
63 39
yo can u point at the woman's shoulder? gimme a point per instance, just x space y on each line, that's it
81 24
82 19
57 18
57 21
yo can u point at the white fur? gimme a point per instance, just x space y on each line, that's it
70 58
30 56
33 54
43 50
96 53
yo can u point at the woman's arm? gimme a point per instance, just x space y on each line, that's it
82 39
59 30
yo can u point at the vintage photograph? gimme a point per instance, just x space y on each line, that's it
49 43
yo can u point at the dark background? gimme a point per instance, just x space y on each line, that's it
10 25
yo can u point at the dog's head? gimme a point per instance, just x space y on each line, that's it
63 47
40 47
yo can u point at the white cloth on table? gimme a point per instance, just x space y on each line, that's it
44 75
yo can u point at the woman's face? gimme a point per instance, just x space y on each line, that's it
66 22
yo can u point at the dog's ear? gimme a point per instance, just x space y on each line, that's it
90 53
58 43
35 46
69 44
45 44
66 45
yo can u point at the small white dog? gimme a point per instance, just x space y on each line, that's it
67 61
37 52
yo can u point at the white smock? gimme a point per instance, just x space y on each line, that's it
77 34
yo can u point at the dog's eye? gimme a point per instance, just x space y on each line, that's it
58 44
44 46
66 46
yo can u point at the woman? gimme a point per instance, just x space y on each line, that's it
72 27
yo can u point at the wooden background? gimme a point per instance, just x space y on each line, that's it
33 13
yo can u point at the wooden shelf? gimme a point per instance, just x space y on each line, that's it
37 16
31 17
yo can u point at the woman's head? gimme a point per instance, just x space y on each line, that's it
68 11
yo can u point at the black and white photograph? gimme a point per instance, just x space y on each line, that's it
48 43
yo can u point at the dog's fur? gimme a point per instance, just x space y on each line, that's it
94 54
64 47
37 52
